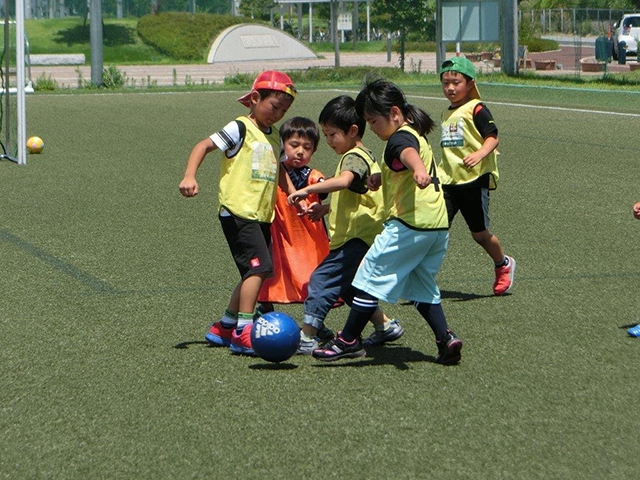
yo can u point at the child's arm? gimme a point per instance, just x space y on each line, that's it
284 181
412 160
332 184
489 145
189 186
636 210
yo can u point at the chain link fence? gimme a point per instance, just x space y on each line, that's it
570 21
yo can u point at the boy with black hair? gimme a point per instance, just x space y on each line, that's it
298 242
355 219
249 175
469 166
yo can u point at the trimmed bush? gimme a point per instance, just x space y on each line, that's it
540 44
183 36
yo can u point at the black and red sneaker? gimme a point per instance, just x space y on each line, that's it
338 348
449 349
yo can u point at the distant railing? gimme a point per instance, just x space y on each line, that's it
573 21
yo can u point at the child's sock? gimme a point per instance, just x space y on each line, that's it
229 319
434 315
305 338
384 327
363 307
503 263
244 319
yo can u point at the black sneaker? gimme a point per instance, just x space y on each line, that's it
324 334
262 309
449 349
338 348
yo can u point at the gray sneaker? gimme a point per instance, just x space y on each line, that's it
306 348
377 338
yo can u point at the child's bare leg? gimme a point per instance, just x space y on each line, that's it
248 293
308 330
491 245
234 302
379 318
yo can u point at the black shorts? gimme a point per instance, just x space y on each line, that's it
250 245
472 202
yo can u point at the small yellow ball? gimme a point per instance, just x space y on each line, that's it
35 145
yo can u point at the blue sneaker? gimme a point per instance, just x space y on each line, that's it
634 331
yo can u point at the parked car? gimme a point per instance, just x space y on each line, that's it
627 30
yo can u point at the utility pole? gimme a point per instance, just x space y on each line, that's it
96 36
334 30
509 47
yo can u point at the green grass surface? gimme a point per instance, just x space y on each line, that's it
110 277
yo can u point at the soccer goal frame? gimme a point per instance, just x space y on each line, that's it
19 90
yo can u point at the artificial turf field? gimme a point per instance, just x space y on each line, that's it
109 279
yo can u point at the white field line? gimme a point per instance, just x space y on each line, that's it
516 105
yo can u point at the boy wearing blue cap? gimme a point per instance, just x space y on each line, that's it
469 166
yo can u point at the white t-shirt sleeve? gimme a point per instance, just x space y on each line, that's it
228 138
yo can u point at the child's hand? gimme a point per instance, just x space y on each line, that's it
296 196
188 187
422 179
301 208
316 211
636 210
374 181
472 159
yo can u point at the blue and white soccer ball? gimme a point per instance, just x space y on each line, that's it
275 337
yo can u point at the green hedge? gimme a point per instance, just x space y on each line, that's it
540 44
184 36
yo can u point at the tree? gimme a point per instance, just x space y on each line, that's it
259 9
403 16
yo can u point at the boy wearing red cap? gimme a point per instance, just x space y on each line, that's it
469 166
249 175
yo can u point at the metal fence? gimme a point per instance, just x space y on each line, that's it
573 21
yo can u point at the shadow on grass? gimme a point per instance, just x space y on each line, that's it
113 35
398 356
629 325
273 366
185 345
458 296
463 297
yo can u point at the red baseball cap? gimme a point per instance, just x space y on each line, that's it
270 80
